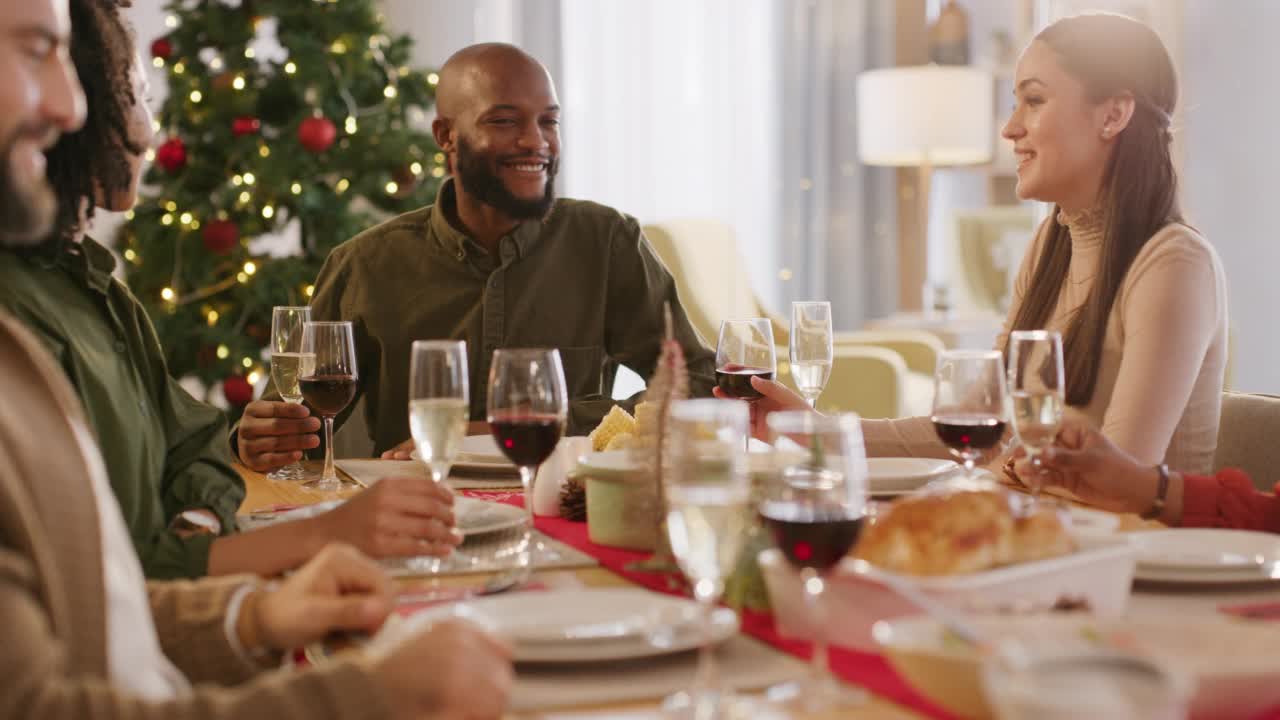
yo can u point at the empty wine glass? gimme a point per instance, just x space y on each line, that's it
288 363
707 497
811 348
439 406
331 385
528 405
1037 386
969 404
815 507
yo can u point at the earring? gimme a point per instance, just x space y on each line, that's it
1106 133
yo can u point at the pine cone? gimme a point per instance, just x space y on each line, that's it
573 500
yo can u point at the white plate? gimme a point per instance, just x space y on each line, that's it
1203 549
1085 521
586 625
481 449
477 517
501 471
900 475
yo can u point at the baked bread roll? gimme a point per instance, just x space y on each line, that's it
958 532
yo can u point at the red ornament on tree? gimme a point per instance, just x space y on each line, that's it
237 391
220 236
316 134
172 155
162 48
245 125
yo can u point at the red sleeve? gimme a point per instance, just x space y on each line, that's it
1228 500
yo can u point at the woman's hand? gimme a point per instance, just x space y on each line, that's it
1085 462
774 397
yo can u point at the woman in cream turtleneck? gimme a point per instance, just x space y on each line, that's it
1138 295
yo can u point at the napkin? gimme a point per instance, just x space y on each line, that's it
551 476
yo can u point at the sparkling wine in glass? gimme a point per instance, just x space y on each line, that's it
811 348
1037 386
288 364
707 498
439 407
815 507
527 408
331 384
969 404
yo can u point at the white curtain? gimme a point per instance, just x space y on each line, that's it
672 110
838 216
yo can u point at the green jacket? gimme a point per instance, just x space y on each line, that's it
165 451
584 280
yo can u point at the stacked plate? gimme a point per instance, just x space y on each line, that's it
479 456
890 477
584 625
1196 556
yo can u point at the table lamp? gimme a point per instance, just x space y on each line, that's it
925 116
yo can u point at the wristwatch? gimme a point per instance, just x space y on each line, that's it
1162 491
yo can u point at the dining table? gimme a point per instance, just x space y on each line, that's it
891 699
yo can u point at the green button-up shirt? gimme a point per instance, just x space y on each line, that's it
165 451
583 280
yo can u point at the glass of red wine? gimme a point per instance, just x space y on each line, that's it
744 351
527 408
969 405
814 506
330 385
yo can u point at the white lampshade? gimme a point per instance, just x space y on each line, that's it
942 112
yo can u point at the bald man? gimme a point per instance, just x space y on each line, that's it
497 261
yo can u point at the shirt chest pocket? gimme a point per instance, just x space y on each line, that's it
582 370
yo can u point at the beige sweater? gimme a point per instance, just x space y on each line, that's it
1159 389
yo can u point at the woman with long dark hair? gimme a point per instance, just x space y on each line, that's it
1138 295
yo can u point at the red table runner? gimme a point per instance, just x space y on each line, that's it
867 670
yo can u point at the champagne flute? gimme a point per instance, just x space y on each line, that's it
1037 385
288 363
707 496
439 406
969 404
528 405
744 351
331 385
811 348
814 507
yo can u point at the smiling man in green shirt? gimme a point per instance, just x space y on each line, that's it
497 261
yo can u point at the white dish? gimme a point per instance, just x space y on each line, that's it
586 625
1203 549
1233 663
614 462
1085 521
481 449
478 517
500 471
1100 572
888 476
1191 578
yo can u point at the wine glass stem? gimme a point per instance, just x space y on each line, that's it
820 670
706 680
527 475
328 475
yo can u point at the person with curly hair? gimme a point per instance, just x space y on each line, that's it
86 637
166 453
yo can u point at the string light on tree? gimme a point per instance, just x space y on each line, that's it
226 109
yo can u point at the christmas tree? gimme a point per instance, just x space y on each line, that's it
293 123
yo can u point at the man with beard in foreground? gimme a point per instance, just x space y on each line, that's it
497 261
84 637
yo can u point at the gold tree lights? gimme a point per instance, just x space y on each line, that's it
289 126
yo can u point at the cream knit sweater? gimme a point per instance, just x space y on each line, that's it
1159 388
